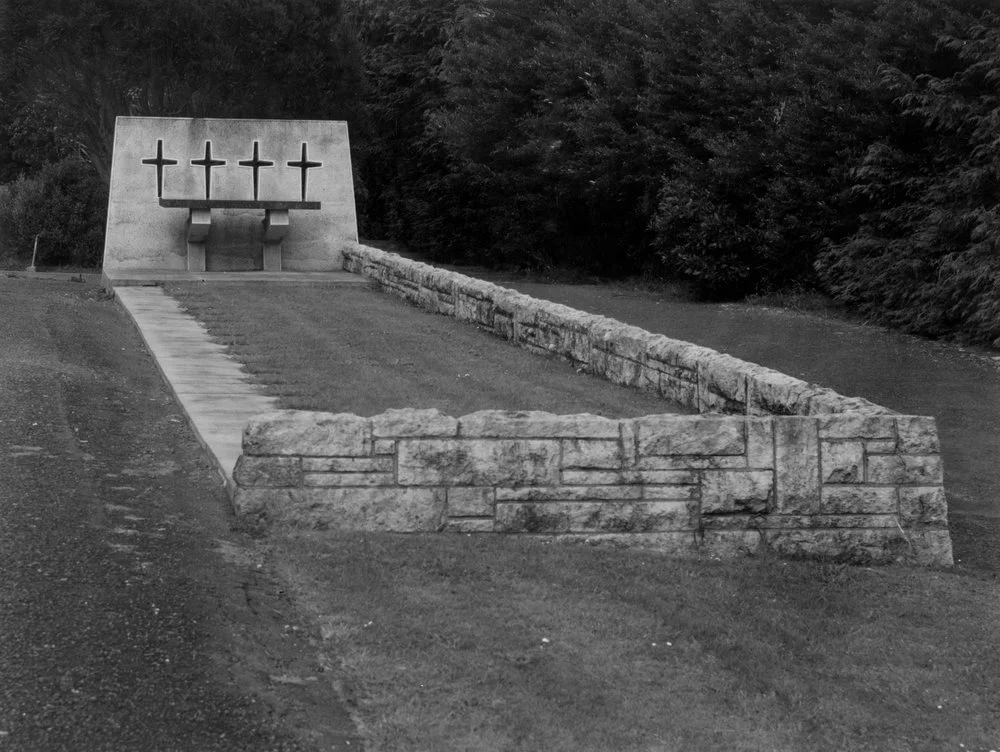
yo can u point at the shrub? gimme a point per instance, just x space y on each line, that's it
65 204
925 257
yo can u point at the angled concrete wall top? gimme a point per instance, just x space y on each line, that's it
185 158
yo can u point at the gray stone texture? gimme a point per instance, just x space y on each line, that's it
796 464
798 469
690 434
308 434
458 462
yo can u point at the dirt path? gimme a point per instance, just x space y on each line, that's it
132 615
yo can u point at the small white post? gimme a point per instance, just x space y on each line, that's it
34 253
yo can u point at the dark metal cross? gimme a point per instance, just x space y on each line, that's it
208 163
304 164
159 161
256 162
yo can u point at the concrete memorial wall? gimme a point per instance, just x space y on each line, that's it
229 195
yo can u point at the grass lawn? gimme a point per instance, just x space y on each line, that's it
480 643
509 643
352 349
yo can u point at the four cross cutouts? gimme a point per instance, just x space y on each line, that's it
304 164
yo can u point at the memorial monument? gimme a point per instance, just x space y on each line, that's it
222 195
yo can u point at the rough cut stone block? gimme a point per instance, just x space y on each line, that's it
503 325
693 462
473 309
760 442
623 371
857 426
591 453
408 423
669 493
597 517
865 546
923 505
484 462
611 477
622 340
348 479
930 547
667 350
535 424
858 500
469 525
828 521
724 375
347 464
689 434
917 434
679 389
728 491
268 471
308 434
774 393
629 443
399 510
880 446
470 502
571 493
383 446
649 379
796 448
842 461
913 469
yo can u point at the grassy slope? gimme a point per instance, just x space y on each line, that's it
351 349
456 643
466 642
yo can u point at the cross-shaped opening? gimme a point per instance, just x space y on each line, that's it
208 163
304 164
159 160
256 163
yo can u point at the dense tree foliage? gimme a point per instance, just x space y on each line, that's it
925 256
68 68
717 140
746 145
57 205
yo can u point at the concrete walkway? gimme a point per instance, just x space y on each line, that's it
143 278
210 387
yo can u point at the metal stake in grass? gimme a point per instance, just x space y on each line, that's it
34 253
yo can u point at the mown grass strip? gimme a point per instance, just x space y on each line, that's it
473 642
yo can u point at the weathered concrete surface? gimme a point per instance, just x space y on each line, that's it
211 387
143 235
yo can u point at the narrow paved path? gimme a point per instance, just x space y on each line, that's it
210 387
133 615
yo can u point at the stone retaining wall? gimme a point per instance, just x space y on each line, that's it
853 487
771 461
681 372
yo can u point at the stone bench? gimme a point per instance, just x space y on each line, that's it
276 225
